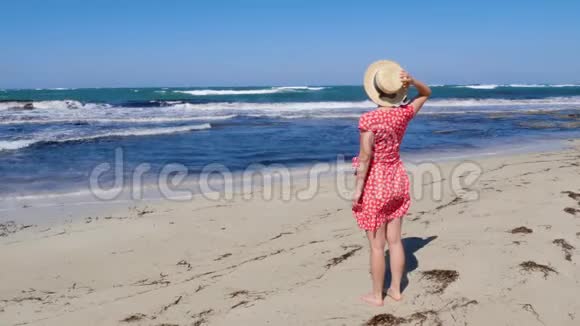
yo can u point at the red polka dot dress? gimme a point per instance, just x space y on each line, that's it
386 191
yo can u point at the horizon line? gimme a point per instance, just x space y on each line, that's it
531 84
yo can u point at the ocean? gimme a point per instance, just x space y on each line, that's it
51 139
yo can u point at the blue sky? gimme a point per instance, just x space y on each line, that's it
57 43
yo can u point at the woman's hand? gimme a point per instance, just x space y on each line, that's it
422 89
406 79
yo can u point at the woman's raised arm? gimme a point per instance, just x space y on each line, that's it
422 88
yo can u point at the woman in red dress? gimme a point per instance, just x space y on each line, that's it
382 197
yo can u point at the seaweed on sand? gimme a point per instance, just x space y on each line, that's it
442 277
566 247
531 266
337 260
521 229
134 317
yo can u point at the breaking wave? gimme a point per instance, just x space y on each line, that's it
63 104
272 90
494 86
168 112
146 120
22 143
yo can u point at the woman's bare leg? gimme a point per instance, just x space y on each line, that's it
377 241
397 257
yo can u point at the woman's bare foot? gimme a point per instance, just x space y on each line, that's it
372 300
395 295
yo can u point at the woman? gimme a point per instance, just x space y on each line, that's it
381 195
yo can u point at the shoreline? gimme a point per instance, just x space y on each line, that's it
80 197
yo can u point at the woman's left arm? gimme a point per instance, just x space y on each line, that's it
367 139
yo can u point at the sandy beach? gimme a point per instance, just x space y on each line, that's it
201 163
501 252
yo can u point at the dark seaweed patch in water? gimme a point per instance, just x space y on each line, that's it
447 131
531 266
549 124
571 125
158 103
145 104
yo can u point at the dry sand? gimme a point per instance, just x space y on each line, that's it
508 257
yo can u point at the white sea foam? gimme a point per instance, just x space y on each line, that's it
55 89
75 110
10 104
308 116
55 138
139 132
274 106
572 100
205 92
542 85
313 106
304 88
564 85
15 144
33 105
272 90
145 120
526 85
59 112
492 86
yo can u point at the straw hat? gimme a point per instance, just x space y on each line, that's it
383 83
